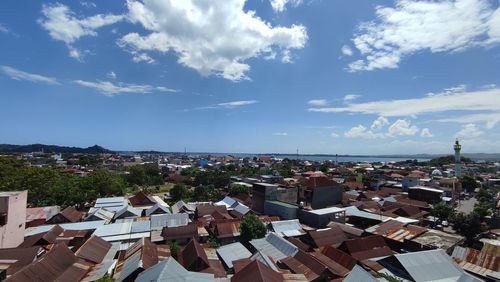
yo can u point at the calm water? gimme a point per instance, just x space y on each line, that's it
323 158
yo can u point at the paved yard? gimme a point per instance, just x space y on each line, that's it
466 206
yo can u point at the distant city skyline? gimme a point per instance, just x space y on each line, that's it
326 77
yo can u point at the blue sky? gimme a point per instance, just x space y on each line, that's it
346 77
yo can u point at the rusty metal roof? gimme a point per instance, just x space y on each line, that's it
367 247
180 232
227 229
94 249
193 257
58 263
332 265
14 259
328 236
44 238
256 272
339 256
41 213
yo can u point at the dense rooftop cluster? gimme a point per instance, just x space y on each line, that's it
260 219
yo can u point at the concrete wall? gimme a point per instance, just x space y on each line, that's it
14 205
326 196
284 212
319 220
288 195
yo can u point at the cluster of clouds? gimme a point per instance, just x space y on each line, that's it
413 26
107 88
484 104
213 37
400 127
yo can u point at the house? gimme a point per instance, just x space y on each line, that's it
232 252
284 210
38 216
275 247
170 270
181 234
425 194
226 231
359 274
110 204
193 257
484 263
326 237
288 228
12 218
157 209
262 192
431 265
100 214
304 263
320 192
59 264
141 199
69 214
320 218
366 247
140 256
256 271
127 212
14 259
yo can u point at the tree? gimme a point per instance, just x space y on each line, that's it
442 211
252 228
482 209
174 249
178 192
239 189
468 226
484 195
468 183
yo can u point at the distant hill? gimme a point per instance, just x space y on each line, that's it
8 148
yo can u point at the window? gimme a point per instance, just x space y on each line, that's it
3 219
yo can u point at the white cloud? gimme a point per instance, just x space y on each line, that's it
413 26
481 100
212 37
111 75
235 104
334 135
87 4
109 89
426 133
402 127
361 132
4 28
350 97
317 102
379 123
469 131
280 5
280 134
346 50
490 119
21 75
63 25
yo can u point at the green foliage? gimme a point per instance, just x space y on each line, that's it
147 174
105 278
252 228
468 226
389 278
174 249
446 160
204 193
239 189
178 192
52 186
443 211
482 209
212 241
468 183
215 177
484 195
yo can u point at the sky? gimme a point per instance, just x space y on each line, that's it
255 76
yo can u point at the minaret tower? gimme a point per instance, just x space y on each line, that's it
458 165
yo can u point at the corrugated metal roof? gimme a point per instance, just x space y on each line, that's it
429 265
171 270
359 274
158 209
158 221
128 211
256 271
101 213
88 225
94 249
232 252
113 229
288 227
140 226
41 213
328 236
275 247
